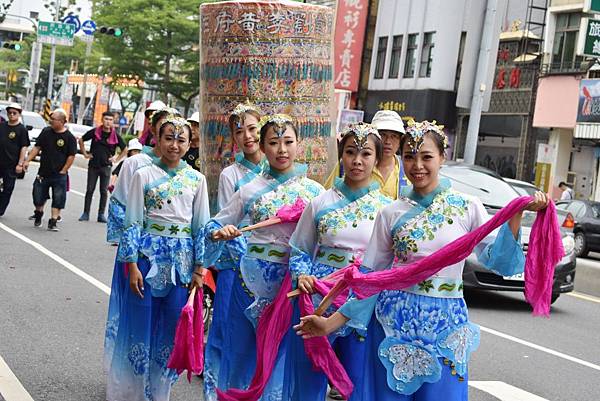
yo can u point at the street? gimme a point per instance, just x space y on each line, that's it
54 287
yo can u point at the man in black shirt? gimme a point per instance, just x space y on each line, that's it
105 142
192 156
58 147
14 141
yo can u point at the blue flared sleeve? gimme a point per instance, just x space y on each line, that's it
134 220
359 311
200 217
130 243
212 249
505 255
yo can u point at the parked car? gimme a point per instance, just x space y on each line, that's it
522 187
585 219
496 193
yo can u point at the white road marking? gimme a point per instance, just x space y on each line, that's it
504 391
96 283
11 388
586 297
77 193
540 348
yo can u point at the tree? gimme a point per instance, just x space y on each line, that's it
160 44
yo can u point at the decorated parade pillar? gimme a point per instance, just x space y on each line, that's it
279 56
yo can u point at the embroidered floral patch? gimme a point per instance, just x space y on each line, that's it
365 208
445 209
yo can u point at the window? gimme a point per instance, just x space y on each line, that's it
396 52
380 61
576 208
565 42
411 54
427 54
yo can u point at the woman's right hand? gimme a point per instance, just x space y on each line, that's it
306 283
226 233
313 326
136 280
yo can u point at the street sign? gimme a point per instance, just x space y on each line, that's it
123 121
73 20
55 33
591 6
88 27
588 43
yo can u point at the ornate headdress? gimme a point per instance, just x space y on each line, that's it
417 130
178 122
279 121
171 112
361 131
242 109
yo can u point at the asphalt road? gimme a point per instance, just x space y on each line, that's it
52 320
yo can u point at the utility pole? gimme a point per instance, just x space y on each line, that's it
34 73
81 108
52 56
479 86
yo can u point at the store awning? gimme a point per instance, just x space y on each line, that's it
587 131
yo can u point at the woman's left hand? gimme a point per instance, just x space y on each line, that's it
540 202
197 278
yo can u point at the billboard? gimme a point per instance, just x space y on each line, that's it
588 108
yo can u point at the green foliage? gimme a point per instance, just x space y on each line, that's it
159 43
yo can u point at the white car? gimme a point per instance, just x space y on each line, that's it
78 130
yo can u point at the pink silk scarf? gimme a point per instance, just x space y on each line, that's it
544 251
112 138
188 349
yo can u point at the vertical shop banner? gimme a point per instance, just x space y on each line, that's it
349 39
543 166
277 55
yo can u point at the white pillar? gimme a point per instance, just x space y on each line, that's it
562 141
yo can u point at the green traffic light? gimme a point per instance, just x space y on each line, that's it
118 32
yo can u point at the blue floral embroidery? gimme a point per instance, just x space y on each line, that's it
155 197
116 221
455 200
445 208
139 357
457 344
364 208
130 242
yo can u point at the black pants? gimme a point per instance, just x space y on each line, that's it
9 176
93 174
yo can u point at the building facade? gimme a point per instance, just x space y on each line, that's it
567 81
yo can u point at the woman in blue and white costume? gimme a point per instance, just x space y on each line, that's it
334 230
116 219
162 243
265 263
418 346
231 298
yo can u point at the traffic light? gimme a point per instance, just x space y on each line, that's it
109 30
12 46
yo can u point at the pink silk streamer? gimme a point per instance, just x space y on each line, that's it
291 213
188 349
322 356
112 138
273 324
544 251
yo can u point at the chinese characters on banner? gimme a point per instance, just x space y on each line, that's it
278 56
349 39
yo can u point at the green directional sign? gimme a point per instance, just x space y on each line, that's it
591 6
56 33
588 43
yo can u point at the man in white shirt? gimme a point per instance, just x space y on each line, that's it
567 193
